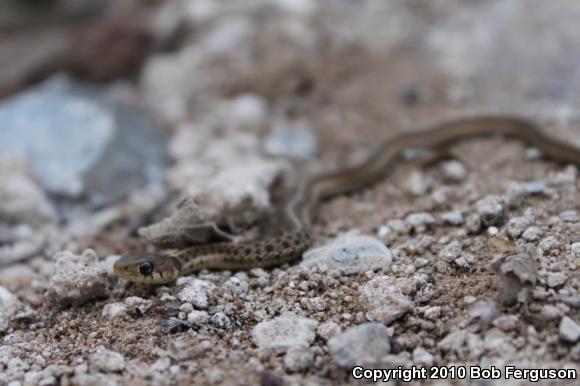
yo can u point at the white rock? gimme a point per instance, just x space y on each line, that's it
350 254
328 330
383 300
245 111
292 140
200 11
14 276
9 306
399 226
491 209
198 317
237 285
548 244
452 218
186 307
77 278
454 341
227 35
551 312
532 233
197 292
484 310
114 310
454 171
383 231
161 364
569 330
21 198
285 332
556 279
299 7
576 249
451 251
506 322
569 216
107 361
240 189
420 221
363 344
422 357
517 225
298 359
416 183
220 320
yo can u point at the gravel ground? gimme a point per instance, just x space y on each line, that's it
468 260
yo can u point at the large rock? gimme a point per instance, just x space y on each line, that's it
77 278
9 306
80 141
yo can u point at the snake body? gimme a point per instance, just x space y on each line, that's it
158 268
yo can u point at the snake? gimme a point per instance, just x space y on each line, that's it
297 237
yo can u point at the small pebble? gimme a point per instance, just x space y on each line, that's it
569 330
420 222
532 233
220 320
452 218
328 330
383 231
517 225
491 209
198 317
360 345
551 312
556 279
114 310
107 361
506 322
569 216
421 357
298 360
285 332
454 171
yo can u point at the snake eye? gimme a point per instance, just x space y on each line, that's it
146 268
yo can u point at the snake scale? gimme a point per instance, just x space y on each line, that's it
164 268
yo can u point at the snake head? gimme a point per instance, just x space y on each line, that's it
148 268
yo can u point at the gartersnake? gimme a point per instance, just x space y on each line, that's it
158 269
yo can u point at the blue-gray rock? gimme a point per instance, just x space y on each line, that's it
292 140
350 254
79 141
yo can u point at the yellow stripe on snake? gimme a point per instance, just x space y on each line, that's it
158 269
